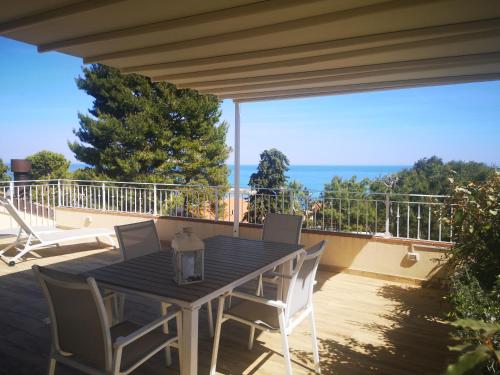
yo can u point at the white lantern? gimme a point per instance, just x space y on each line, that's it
188 257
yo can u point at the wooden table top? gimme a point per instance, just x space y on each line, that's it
229 262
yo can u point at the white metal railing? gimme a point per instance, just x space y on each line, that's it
35 200
413 216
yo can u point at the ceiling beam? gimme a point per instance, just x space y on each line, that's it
283 52
186 79
182 22
51 14
239 35
364 87
215 85
368 71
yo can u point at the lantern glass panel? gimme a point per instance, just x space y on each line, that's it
188 266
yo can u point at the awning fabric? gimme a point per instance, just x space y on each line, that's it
260 50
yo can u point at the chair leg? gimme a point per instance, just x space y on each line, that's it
312 324
111 241
14 244
260 287
27 248
284 343
118 307
251 338
215 348
52 367
168 353
178 322
210 319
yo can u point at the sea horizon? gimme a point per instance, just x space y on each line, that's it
313 177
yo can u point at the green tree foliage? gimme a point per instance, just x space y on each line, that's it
49 165
87 174
343 206
271 170
476 224
360 206
143 131
431 176
268 183
3 171
475 279
300 199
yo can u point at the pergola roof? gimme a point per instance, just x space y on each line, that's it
258 50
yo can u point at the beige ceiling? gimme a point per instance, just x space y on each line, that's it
259 50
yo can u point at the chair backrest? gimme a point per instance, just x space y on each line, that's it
14 213
282 228
137 239
300 291
80 329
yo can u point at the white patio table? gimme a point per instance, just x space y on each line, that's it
229 263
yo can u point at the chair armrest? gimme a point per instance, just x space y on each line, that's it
253 298
126 340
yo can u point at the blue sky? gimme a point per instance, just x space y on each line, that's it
39 103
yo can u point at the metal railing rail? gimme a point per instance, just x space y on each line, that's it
415 216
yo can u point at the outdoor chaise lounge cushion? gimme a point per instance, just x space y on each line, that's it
67 235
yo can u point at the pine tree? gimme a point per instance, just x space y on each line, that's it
143 131
268 182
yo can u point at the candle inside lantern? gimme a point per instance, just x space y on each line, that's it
188 257
188 264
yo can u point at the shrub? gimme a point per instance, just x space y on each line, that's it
3 171
475 280
48 165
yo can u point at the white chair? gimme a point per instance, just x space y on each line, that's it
279 228
274 315
138 239
28 239
82 337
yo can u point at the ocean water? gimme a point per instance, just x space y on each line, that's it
314 177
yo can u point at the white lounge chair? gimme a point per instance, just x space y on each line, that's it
28 239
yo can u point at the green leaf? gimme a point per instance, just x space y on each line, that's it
459 348
467 362
476 325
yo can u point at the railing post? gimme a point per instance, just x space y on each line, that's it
387 216
155 201
217 204
59 193
11 189
103 207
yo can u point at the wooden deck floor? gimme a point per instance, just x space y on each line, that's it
365 326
